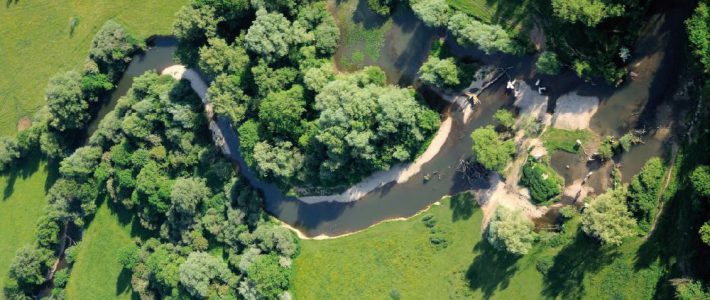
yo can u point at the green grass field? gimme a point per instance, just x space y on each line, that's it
96 273
559 139
398 258
21 204
36 43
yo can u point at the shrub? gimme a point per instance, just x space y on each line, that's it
547 63
440 72
607 219
61 278
491 150
542 182
505 118
643 192
509 230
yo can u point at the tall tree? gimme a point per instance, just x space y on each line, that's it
491 150
68 110
607 219
511 231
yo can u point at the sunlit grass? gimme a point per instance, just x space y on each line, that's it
37 41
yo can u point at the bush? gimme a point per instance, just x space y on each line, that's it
505 118
542 181
643 192
511 231
9 152
442 73
701 180
547 63
607 218
61 278
381 7
490 149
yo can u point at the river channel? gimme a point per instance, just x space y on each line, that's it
642 103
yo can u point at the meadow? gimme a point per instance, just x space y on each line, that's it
36 42
110 230
21 205
398 259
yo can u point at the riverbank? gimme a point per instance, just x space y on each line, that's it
399 173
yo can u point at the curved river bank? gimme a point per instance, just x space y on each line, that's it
398 200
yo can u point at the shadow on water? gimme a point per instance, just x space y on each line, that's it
491 270
406 47
565 278
364 16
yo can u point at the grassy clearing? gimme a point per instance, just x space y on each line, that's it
481 9
362 34
21 205
566 140
511 14
97 273
398 256
36 42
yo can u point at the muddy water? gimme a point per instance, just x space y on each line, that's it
158 56
644 103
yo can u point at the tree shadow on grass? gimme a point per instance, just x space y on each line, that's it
27 167
570 266
491 270
462 205
123 282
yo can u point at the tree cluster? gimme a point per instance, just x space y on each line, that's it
491 150
542 182
643 192
466 29
511 231
607 218
299 122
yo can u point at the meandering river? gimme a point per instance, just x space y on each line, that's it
634 105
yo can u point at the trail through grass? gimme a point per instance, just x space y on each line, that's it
36 42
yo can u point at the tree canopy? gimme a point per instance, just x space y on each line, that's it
698 27
271 35
490 149
509 230
607 219
440 72
68 110
588 12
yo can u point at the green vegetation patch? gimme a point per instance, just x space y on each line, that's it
363 35
398 258
566 140
97 274
38 41
542 181
481 9
21 205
